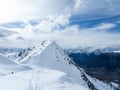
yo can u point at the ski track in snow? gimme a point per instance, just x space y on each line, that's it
36 82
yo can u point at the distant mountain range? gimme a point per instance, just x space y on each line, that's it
103 64
95 50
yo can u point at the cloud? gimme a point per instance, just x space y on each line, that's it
78 4
6 33
9 38
53 22
105 26
97 7
69 36
15 10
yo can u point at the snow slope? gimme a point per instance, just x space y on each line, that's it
39 80
7 66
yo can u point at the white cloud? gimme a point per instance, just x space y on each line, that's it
51 23
69 36
12 10
54 22
97 7
105 26
78 4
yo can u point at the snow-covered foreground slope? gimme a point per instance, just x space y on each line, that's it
8 67
43 79
51 69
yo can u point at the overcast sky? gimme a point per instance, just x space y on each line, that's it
51 20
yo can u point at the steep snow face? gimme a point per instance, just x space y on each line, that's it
35 50
51 56
7 66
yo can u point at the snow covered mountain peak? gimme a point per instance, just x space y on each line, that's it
33 51
52 69
46 50
48 55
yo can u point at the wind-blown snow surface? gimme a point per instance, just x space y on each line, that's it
39 80
51 69
7 66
